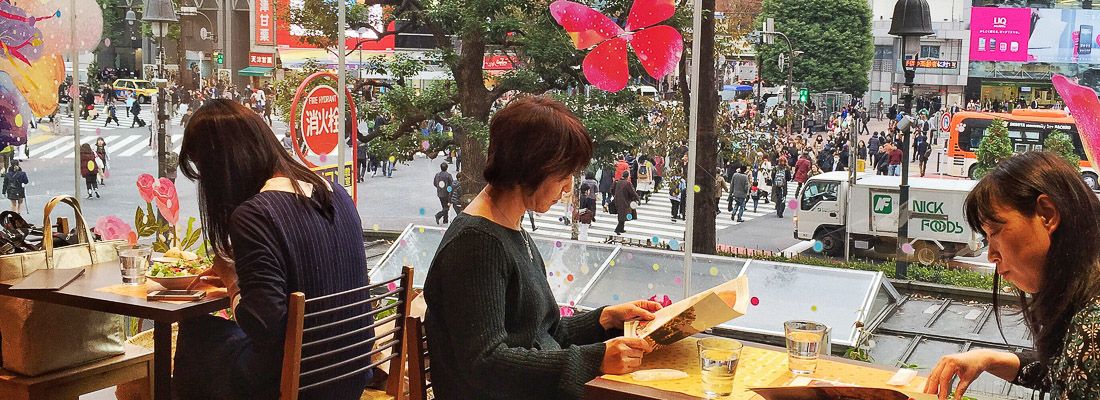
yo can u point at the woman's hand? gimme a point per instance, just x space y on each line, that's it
623 355
613 317
221 273
968 366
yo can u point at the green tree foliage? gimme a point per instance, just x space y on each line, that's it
835 36
1061 144
994 148
614 120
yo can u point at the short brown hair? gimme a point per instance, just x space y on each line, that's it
532 139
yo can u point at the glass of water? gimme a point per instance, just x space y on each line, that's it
135 261
718 358
805 342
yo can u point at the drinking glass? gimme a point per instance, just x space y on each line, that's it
718 358
805 342
135 261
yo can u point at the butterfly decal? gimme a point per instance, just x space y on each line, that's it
1085 108
658 47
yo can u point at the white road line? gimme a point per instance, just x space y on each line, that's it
126 140
51 145
90 140
137 147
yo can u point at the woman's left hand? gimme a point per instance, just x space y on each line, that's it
613 317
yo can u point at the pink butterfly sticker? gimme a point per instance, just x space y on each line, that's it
665 302
1085 108
658 47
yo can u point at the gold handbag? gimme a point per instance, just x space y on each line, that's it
39 337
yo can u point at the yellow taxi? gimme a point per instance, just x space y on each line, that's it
142 90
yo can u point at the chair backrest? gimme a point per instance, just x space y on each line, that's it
311 337
416 341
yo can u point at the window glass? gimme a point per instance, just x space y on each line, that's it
818 191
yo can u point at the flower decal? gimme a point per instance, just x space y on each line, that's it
168 202
113 228
145 183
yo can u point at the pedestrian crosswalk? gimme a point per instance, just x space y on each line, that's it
654 220
64 123
117 146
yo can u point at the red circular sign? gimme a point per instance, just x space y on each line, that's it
319 120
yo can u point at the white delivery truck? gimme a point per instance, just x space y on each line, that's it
937 226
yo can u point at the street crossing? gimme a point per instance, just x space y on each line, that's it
63 124
117 145
654 220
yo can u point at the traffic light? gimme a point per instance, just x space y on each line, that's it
804 95
219 58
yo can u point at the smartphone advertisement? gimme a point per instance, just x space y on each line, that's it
1034 35
999 34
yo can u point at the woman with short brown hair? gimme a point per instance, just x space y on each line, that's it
494 328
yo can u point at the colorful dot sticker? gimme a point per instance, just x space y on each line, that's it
615 297
557 243
629 256
792 204
393 159
713 271
612 263
754 301
375 227
324 157
674 244
19 120
813 308
907 248
425 145
569 277
450 189
656 267
678 280
629 217
818 246
422 229
584 269
107 41
91 165
442 184
551 273
697 188
656 239
650 286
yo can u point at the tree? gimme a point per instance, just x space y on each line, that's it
835 37
1060 143
994 148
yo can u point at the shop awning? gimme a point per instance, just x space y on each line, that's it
255 71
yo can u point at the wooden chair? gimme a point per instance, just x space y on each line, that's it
416 341
356 356
136 364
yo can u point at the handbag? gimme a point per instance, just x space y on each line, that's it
39 337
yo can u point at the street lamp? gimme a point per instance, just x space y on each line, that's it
159 14
911 21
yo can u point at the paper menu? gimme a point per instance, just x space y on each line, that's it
806 388
694 314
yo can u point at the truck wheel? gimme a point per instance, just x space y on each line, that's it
832 242
926 253
1091 180
972 174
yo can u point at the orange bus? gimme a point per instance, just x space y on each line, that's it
1027 128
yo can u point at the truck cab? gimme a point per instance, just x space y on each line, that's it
820 207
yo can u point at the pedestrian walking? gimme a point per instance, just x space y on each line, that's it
112 114
607 178
625 198
674 189
89 169
720 187
586 214
872 148
925 154
895 158
780 178
754 194
658 171
101 153
443 182
361 159
739 194
135 110
802 171
645 178
15 181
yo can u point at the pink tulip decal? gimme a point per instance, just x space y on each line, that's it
145 183
167 200
665 302
1085 107
567 311
113 228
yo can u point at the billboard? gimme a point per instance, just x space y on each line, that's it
1051 35
999 34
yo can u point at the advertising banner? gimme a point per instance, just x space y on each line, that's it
265 24
999 34
1051 35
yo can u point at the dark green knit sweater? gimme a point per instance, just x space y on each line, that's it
494 330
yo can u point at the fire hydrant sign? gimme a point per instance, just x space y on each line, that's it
320 120
315 132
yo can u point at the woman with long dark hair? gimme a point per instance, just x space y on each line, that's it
275 228
1042 223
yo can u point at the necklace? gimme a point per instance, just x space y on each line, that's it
523 232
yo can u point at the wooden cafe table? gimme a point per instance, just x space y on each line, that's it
760 366
101 289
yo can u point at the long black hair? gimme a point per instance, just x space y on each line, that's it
231 153
1071 272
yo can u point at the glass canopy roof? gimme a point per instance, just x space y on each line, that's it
589 275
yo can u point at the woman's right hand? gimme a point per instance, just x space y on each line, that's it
623 355
968 367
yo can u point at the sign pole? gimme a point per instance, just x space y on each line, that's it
341 88
693 133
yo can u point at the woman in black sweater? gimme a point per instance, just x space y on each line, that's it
276 228
494 329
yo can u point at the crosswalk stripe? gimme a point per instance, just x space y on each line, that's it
64 149
50 145
175 142
91 140
137 146
126 140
